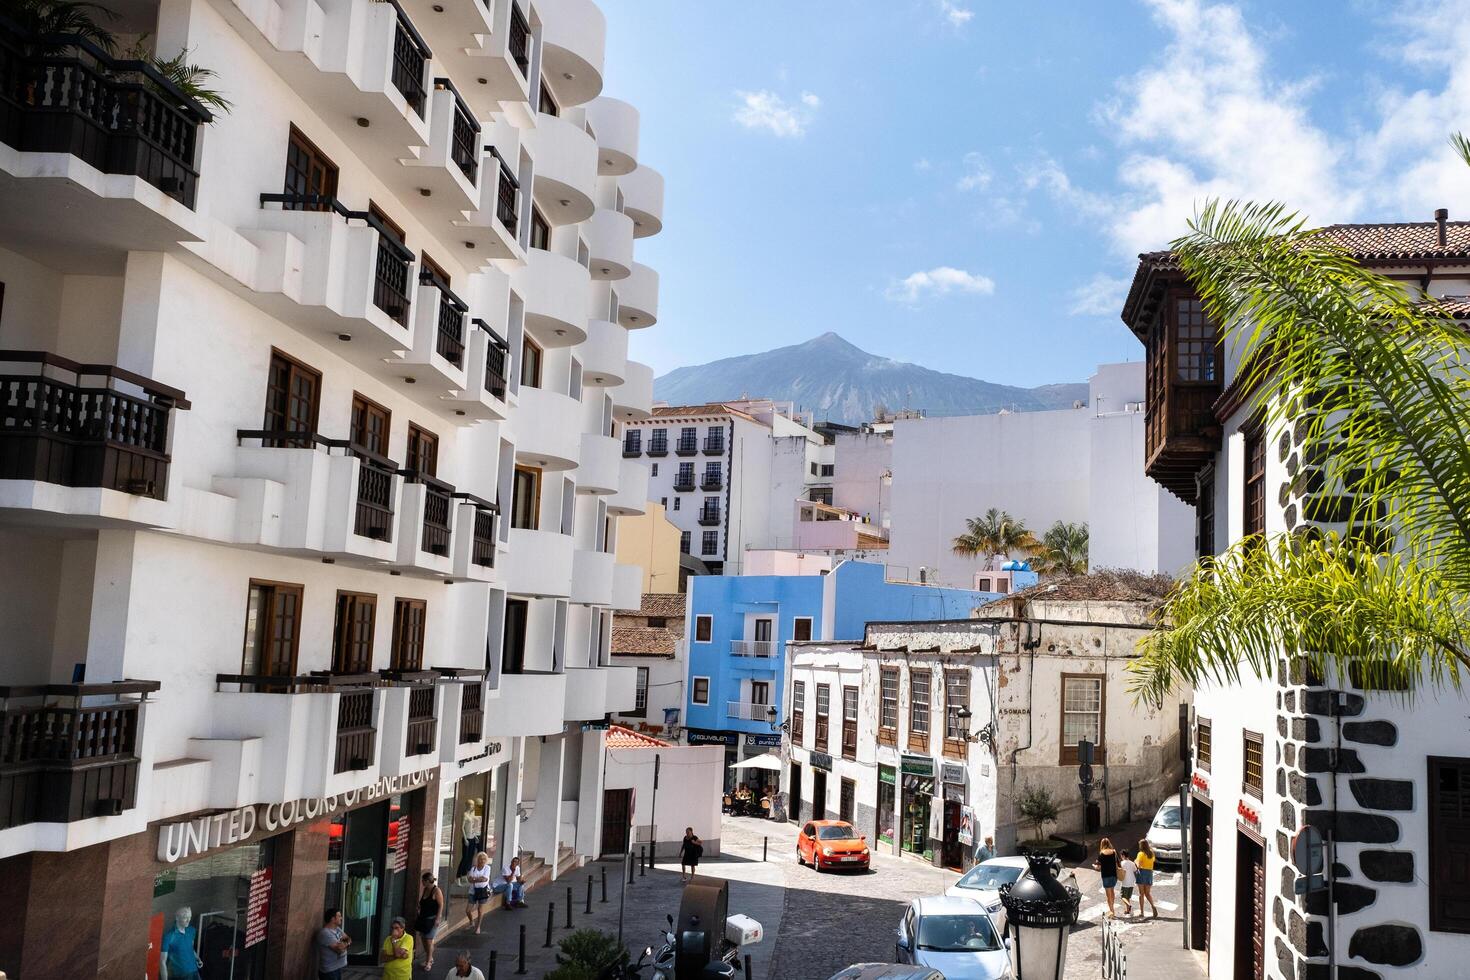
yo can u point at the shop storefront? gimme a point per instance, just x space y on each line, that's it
917 773
470 821
884 832
952 850
236 895
761 781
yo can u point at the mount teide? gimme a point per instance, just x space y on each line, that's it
839 382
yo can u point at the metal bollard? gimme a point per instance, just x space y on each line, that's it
521 966
490 967
765 843
642 861
550 923
631 862
747 966
569 907
604 884
588 909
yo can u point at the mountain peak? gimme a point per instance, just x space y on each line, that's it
838 381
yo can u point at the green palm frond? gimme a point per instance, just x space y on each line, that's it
1063 550
996 533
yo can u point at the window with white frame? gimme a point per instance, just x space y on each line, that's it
699 692
1082 713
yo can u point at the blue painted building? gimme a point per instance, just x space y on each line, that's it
738 628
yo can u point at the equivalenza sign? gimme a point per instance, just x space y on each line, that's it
188 838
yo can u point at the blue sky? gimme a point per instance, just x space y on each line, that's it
965 184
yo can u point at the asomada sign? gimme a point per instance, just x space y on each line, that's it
188 838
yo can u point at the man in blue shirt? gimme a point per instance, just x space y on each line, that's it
985 851
180 961
331 945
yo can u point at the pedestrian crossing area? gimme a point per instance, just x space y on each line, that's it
1095 906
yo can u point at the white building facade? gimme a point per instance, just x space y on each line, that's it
1388 779
310 436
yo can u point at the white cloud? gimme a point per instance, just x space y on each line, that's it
939 281
956 14
767 110
922 165
1102 295
977 175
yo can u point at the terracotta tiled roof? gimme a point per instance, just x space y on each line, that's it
1107 585
644 641
1454 307
694 411
668 604
619 737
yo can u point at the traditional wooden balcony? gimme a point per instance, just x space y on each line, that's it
84 425
423 727
69 752
119 116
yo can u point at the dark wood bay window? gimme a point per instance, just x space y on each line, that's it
272 629
1202 735
1252 763
1255 481
513 650
956 697
409 616
798 711
352 633
919 710
888 705
849 722
824 706
525 505
1183 368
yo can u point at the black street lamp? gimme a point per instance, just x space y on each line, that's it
1039 914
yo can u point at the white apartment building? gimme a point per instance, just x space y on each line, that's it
713 469
309 426
1388 778
1077 465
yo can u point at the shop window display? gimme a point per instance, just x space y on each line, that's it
467 826
367 861
210 917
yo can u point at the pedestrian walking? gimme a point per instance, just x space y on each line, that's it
426 924
1107 865
331 947
1145 861
396 954
463 968
513 884
985 851
689 852
479 878
1127 879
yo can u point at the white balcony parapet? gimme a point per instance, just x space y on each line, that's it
586 695
501 64
529 704
745 711
616 125
573 38
643 200
547 429
753 648
566 169
599 464
450 167
609 236
627 593
541 564
556 293
638 298
604 354
592 577
633 399
632 495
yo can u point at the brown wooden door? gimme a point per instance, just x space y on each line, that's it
1200 861
617 807
513 648
272 629
1250 909
847 800
352 634
793 795
371 424
1449 844
409 616
292 397
819 795
423 451
952 853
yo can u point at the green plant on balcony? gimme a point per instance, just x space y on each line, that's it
190 79
50 24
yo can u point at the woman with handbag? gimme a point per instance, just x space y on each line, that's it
431 902
479 876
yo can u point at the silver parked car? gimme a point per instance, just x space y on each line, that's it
1166 833
955 936
984 881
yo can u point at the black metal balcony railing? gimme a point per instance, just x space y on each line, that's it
410 60
684 481
686 447
507 193
709 515
658 447
356 731
482 548
394 261
453 312
121 117
471 714
422 725
519 41
438 505
497 361
714 446
464 144
712 481
62 761
75 424
375 488
632 447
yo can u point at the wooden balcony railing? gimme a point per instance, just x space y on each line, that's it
375 476
422 725
464 145
410 58
471 713
356 731
519 41
394 261
62 760
453 313
121 117
83 425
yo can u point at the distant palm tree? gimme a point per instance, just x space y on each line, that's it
1063 550
997 533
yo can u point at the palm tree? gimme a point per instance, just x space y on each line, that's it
1063 550
1372 385
46 20
997 533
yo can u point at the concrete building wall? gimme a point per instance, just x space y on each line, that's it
691 779
651 541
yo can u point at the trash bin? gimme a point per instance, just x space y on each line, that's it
1094 818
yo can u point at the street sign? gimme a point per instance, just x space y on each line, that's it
1309 856
1084 752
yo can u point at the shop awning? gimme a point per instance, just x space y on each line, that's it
770 762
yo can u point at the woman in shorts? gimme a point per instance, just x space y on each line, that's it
1107 866
479 877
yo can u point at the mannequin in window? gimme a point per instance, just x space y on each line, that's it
470 844
179 959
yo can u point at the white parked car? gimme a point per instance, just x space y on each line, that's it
1166 833
983 883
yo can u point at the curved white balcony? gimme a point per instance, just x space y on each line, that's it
540 563
627 590
573 35
599 464
592 577
586 697
555 291
566 169
638 298
548 429
609 237
633 399
643 200
622 688
521 707
616 124
632 496
604 354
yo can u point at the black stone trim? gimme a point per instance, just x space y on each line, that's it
1316 945
1371 732
1391 945
1352 827
1387 865
1383 794
1305 729
1349 898
1320 703
1321 760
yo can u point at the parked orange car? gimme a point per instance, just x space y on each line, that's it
831 844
